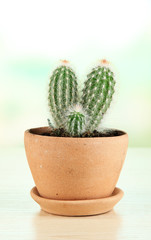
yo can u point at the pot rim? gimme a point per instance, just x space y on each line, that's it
29 131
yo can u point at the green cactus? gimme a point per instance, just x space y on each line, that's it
63 98
50 124
62 93
75 123
97 94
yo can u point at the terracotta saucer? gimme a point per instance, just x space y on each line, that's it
77 207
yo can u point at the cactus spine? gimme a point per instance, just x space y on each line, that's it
97 94
75 123
62 92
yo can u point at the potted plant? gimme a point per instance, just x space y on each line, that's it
75 166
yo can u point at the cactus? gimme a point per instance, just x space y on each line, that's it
75 121
50 124
63 98
62 92
97 93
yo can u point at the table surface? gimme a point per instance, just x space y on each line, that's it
21 218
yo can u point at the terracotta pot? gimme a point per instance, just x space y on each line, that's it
75 168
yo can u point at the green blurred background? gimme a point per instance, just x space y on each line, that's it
34 36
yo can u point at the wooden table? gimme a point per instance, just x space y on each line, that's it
21 218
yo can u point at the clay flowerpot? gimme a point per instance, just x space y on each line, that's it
66 168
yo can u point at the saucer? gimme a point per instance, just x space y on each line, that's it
77 207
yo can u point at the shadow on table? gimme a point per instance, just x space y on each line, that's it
104 226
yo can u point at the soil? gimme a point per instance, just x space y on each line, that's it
60 132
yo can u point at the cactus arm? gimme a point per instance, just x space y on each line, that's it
50 124
62 93
97 94
75 120
75 123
